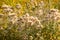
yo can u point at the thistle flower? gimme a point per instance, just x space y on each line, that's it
31 38
12 17
54 10
41 4
1 28
29 20
40 12
7 8
4 6
38 34
18 6
27 15
55 13
11 14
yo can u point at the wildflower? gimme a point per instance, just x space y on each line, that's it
38 34
4 6
12 17
54 10
55 13
29 20
25 36
40 12
1 28
31 38
12 14
18 6
7 8
27 15
41 4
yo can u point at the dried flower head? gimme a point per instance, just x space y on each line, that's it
7 8
31 37
12 17
4 6
40 12
18 6
1 28
41 4
55 13
54 10
29 20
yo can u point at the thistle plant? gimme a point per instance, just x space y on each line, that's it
38 22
